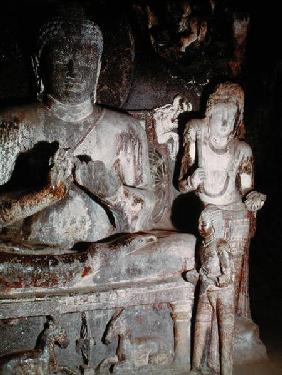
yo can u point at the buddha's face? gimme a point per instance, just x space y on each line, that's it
69 69
222 119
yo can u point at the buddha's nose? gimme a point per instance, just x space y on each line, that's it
224 123
71 70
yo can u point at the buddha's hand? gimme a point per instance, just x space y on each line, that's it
61 168
254 201
191 276
96 177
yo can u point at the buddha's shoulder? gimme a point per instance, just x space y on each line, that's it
119 121
21 116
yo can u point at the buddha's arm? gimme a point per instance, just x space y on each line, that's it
14 139
96 179
124 188
18 206
136 199
15 209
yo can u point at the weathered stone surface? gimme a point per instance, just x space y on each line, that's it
137 313
129 259
42 359
73 174
247 343
118 58
223 180
86 141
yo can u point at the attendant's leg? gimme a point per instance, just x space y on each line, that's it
226 316
202 330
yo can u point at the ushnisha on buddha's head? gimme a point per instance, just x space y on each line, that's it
69 57
225 109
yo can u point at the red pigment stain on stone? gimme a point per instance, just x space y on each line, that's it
86 271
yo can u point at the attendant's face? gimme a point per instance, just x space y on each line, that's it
222 119
69 69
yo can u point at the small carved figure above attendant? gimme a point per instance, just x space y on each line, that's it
166 123
214 326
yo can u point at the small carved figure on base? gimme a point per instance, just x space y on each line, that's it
214 327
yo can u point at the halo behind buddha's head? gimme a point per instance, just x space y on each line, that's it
228 93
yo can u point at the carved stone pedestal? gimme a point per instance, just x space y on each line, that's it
248 347
123 306
131 327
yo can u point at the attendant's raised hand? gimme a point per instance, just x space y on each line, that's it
198 178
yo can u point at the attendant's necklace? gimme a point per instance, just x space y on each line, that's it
219 150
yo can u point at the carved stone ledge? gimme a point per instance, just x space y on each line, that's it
166 292
181 314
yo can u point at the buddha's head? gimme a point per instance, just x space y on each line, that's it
69 58
225 109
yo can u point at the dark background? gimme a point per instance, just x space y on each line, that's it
263 82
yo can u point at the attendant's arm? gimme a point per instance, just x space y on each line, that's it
245 175
189 154
254 200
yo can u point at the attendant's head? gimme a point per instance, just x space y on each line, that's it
225 109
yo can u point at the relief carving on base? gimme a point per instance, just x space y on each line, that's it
134 351
84 345
41 360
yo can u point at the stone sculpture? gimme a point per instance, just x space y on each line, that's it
72 140
166 123
191 27
72 171
41 360
84 345
73 174
133 352
214 327
223 180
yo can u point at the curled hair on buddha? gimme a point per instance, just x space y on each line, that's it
70 22
228 92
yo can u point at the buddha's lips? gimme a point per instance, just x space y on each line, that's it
75 86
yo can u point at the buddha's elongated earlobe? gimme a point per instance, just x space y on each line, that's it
38 79
97 79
